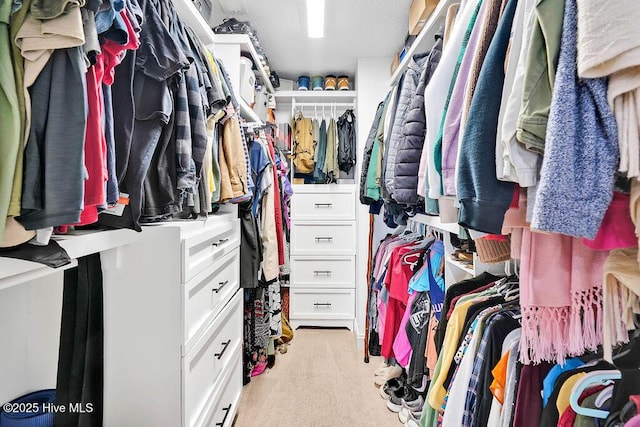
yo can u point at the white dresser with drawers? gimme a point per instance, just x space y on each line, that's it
323 255
173 326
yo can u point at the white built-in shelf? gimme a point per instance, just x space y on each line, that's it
85 242
434 221
190 15
425 39
316 95
322 188
15 271
457 264
247 112
247 47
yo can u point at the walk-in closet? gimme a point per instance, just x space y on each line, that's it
319 213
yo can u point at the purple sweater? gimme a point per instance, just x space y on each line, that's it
451 130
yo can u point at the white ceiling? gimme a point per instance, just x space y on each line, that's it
353 29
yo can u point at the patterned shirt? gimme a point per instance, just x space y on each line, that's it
478 366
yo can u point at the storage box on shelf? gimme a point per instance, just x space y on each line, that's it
419 12
323 256
241 43
395 63
456 270
425 39
247 87
229 47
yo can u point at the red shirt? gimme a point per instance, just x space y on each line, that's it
400 271
95 144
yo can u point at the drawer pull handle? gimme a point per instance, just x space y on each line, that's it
323 304
322 272
324 205
221 285
320 239
225 345
226 411
219 242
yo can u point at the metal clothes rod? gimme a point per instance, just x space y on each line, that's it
326 104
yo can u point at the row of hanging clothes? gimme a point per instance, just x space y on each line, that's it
324 148
264 247
453 355
406 285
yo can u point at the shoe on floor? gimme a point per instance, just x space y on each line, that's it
424 385
382 368
413 419
394 404
394 372
390 386
412 400
381 372
406 414
403 415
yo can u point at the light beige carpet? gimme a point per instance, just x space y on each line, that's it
321 381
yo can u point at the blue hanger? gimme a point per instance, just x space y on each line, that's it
601 377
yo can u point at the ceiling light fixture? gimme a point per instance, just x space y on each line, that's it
315 19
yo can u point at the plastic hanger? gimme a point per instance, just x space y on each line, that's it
603 396
399 230
601 377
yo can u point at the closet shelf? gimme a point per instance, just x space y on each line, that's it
322 188
324 96
425 39
247 47
434 221
248 113
14 271
190 15
460 266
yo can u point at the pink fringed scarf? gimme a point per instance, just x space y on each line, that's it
621 297
561 297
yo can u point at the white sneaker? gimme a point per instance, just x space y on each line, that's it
403 415
413 419
411 423
394 372
382 369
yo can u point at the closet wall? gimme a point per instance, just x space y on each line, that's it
373 84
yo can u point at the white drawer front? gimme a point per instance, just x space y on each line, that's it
339 205
224 409
316 239
202 249
211 356
206 294
322 303
324 273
